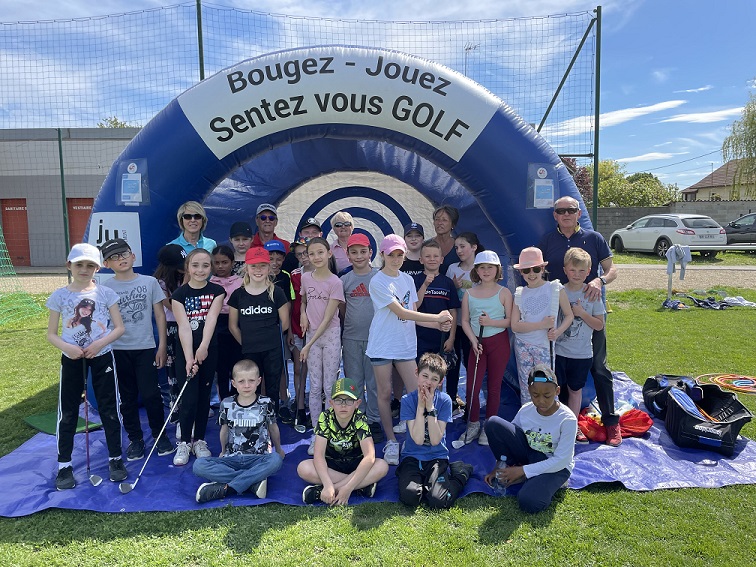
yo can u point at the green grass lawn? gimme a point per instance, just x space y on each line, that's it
602 525
721 259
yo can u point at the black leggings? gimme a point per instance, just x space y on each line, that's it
462 348
195 402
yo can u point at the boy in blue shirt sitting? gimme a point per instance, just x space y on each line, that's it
425 472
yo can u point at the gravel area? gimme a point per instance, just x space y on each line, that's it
631 276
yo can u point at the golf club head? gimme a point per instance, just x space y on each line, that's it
126 487
95 480
300 428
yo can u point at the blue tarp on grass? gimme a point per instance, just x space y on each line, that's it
649 463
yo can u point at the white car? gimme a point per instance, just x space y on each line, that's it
656 233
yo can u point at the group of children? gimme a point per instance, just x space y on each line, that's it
218 317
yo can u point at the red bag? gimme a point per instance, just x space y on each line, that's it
591 428
634 423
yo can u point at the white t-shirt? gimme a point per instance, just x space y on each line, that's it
535 304
391 337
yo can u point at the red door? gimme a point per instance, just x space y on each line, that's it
79 211
16 230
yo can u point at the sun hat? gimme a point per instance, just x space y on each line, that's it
85 252
344 387
393 242
487 257
530 257
358 239
257 255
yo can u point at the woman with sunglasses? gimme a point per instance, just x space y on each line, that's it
343 227
534 317
192 221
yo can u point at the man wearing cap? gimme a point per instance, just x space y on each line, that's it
554 245
266 219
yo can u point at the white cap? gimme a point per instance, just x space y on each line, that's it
85 252
487 257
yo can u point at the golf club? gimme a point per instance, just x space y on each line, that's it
298 426
555 313
462 441
126 487
93 478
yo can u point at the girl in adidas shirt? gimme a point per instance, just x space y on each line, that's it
258 315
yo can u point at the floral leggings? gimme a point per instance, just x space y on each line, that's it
323 362
527 356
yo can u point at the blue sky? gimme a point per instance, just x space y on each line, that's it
675 75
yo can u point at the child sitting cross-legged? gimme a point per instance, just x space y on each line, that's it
344 458
425 472
538 446
248 426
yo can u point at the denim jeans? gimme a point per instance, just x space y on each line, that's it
238 471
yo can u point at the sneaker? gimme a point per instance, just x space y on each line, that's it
369 490
65 479
210 491
311 493
483 438
391 453
117 470
396 405
377 432
580 437
471 432
311 448
183 450
164 446
457 411
463 471
400 427
135 451
200 449
613 435
260 489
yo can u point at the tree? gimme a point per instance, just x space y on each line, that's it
741 145
114 122
642 189
582 178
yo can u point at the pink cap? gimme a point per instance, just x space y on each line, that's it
393 242
358 239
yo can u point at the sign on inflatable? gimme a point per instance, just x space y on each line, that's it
384 135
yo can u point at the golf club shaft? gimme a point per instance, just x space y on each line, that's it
86 411
162 430
475 375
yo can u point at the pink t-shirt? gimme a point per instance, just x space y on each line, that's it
318 294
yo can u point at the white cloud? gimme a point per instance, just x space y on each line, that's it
651 156
660 75
698 90
706 117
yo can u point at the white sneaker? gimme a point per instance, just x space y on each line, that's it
200 449
400 427
260 489
391 452
182 454
311 448
483 438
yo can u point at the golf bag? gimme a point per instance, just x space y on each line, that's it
656 387
712 423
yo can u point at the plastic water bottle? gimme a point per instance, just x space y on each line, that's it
499 488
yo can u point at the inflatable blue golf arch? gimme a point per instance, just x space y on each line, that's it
394 135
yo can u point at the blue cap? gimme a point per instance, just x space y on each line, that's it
414 226
275 246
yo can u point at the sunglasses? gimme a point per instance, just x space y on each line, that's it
569 211
536 270
267 217
189 216
343 401
119 256
341 224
